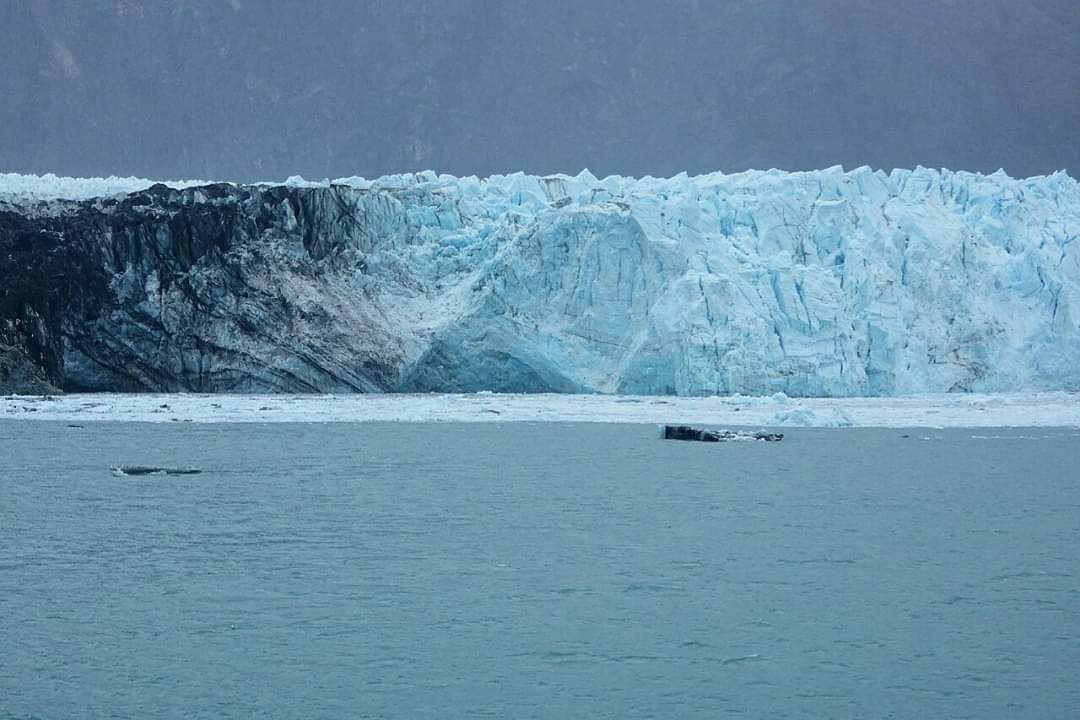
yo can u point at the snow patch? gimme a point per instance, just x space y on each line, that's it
34 188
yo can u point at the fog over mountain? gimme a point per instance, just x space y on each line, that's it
244 90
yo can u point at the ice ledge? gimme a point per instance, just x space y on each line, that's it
1058 409
33 188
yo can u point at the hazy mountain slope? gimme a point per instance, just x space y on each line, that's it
247 90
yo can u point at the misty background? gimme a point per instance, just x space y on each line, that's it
260 90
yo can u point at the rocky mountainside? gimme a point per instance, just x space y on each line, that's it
826 283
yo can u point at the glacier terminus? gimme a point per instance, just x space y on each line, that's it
828 283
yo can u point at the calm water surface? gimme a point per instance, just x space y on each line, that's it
537 570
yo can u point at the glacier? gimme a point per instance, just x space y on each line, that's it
828 283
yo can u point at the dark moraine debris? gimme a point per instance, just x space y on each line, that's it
684 432
150 470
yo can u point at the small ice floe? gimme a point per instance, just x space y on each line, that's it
755 657
684 432
130 470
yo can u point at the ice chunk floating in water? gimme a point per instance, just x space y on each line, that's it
684 432
129 470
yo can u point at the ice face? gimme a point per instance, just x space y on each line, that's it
822 283
825 283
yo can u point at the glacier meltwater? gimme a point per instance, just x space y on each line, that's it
826 283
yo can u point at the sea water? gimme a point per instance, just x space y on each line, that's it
443 570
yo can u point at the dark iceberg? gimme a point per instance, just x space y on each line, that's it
684 432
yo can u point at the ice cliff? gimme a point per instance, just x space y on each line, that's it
826 283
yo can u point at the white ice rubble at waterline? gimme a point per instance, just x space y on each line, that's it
938 411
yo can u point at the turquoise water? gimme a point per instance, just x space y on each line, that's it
537 570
